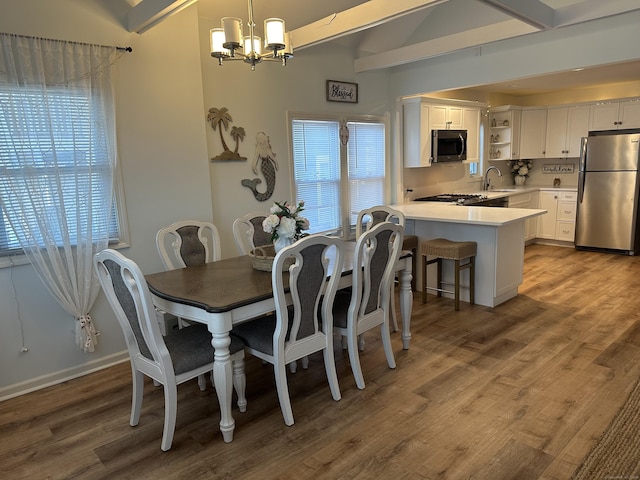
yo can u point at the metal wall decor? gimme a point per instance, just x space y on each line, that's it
219 119
268 166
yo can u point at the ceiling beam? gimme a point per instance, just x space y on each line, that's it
532 12
149 13
356 19
443 45
588 10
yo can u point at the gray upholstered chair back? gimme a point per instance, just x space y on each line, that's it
307 283
377 250
129 297
248 232
369 217
187 243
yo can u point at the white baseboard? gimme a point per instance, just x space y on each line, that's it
44 381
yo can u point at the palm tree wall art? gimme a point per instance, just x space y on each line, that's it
220 118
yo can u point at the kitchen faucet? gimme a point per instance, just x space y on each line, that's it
486 184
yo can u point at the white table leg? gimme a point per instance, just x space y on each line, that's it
222 374
406 302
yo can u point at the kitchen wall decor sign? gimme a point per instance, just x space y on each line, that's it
342 91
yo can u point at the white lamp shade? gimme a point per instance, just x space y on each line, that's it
256 45
288 46
217 40
232 32
274 33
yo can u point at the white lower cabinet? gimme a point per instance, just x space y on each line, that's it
560 220
526 200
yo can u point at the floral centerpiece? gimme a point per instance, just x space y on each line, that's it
285 224
520 170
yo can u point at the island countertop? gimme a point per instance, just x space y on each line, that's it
451 213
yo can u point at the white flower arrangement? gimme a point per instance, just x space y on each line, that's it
521 167
285 221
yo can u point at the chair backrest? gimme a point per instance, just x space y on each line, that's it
248 232
188 242
377 251
298 332
369 217
128 294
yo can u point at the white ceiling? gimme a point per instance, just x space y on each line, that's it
382 31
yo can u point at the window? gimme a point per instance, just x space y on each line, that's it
83 165
335 180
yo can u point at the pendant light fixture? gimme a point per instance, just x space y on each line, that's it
226 42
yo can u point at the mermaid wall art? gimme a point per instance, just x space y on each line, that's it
267 160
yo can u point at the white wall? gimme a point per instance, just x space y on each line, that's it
162 150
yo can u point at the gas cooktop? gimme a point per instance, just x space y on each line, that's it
461 198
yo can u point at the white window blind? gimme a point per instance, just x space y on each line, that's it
336 181
68 146
365 154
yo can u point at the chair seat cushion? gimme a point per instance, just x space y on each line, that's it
443 248
190 347
258 333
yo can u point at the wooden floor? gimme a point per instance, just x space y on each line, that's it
520 391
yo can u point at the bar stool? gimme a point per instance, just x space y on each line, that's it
441 248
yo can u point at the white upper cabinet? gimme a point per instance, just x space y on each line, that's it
533 128
445 117
416 134
419 117
471 123
615 115
565 128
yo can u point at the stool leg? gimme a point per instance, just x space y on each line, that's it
456 289
424 279
472 280
439 280
414 252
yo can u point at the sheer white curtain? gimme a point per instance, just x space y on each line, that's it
57 158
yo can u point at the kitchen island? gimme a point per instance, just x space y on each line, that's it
499 233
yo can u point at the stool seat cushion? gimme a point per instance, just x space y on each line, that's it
443 248
410 242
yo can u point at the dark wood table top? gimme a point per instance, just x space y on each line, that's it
223 285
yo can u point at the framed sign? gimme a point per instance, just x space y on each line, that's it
342 91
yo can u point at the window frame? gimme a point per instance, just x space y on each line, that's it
345 214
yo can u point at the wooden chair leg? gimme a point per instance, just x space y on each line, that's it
424 279
439 278
472 281
456 288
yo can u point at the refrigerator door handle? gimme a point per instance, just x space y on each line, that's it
582 167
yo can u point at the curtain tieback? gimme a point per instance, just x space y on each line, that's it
86 334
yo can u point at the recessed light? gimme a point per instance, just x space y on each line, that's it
577 69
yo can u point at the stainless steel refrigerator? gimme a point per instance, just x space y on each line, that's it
608 185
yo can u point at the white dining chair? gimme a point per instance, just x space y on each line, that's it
169 360
188 242
370 217
248 233
305 326
367 304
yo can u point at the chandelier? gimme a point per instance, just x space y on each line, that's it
226 41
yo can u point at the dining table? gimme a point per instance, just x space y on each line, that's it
226 292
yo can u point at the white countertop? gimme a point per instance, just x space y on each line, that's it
451 213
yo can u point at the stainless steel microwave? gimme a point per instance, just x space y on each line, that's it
448 146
